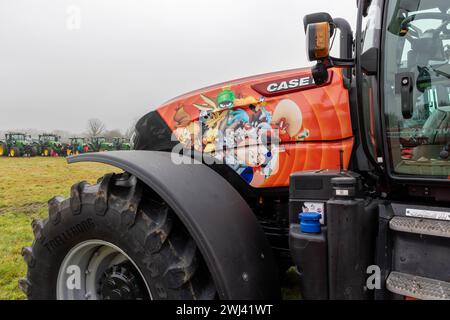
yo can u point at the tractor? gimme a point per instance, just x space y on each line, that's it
19 144
120 143
3 148
340 170
76 146
99 144
50 145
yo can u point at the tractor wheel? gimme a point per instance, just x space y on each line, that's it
33 151
3 149
14 152
68 152
45 152
114 240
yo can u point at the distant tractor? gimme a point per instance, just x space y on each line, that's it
76 146
50 145
99 144
121 143
3 148
19 144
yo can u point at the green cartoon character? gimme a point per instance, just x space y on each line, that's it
225 99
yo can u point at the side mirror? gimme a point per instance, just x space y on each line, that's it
318 17
320 27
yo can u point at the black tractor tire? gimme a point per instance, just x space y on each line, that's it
14 152
118 209
33 151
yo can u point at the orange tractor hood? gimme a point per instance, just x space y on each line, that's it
312 123
324 110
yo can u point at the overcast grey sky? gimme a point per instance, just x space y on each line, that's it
65 61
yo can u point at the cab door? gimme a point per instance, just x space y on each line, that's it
416 85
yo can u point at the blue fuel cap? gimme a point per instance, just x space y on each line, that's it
310 222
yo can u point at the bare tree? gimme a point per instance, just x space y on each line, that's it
129 132
95 127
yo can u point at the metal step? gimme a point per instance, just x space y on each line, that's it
430 227
418 287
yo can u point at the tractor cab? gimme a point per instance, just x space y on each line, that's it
44 138
100 144
15 137
120 143
397 184
79 141
98 140
402 90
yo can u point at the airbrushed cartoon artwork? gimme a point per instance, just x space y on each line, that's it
266 127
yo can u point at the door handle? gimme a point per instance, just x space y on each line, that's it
404 86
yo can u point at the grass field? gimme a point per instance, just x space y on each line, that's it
26 184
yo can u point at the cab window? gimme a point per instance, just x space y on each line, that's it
417 87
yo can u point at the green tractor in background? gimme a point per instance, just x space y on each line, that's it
50 145
3 148
121 143
99 144
76 146
19 144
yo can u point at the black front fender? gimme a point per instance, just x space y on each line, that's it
220 221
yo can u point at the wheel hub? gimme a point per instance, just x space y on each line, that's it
105 271
120 282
